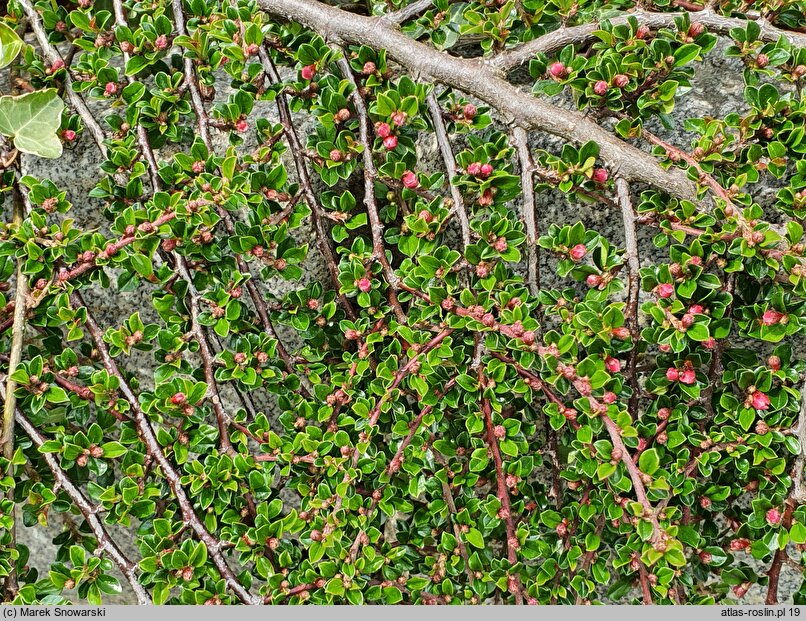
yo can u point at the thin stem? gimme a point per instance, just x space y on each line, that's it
14 357
149 439
503 491
450 165
521 140
633 284
89 511
317 213
370 173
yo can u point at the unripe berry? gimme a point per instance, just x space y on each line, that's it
500 432
687 320
613 365
469 111
762 427
760 401
399 118
335 155
593 280
241 126
762 60
609 398
773 517
342 115
162 42
368 68
672 374
474 169
688 376
500 244
600 88
642 32
68 135
774 362
621 80
383 130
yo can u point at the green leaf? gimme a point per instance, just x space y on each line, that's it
475 538
10 45
32 121
649 461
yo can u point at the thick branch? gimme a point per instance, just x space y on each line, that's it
558 39
475 77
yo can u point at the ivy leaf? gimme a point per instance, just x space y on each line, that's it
10 45
32 121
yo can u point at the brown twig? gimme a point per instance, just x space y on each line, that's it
633 284
521 140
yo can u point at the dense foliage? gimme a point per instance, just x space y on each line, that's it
473 403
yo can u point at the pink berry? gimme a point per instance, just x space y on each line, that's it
642 32
474 169
621 333
621 80
500 244
687 320
486 198
688 376
410 180
500 432
57 64
469 111
760 401
557 70
594 280
162 42
672 374
383 130
368 68
578 251
762 60
774 362
179 398
773 517
198 167
613 365
696 309
364 284
390 142
609 398
665 290
709 343
241 126
110 89
600 175
336 155
600 88
486 170
68 135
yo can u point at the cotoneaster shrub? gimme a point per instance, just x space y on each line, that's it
474 404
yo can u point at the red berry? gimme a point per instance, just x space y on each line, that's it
110 89
774 362
364 284
622 333
600 175
241 126
594 280
383 130
688 376
557 70
687 320
486 170
390 142
665 290
760 401
696 309
308 72
642 32
474 169
613 365
179 398
68 135
600 88
672 374
771 317
696 29
410 180
773 517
